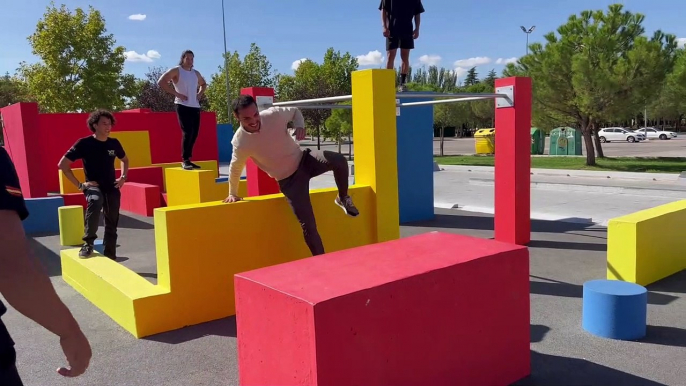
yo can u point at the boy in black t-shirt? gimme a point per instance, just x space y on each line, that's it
101 187
26 286
396 19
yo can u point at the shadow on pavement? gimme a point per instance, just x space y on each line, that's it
461 220
126 222
665 336
49 259
222 327
568 290
557 370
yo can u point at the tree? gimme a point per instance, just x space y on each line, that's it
472 77
11 91
339 125
254 70
599 67
490 78
312 80
671 102
80 68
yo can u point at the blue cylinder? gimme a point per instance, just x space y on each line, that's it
615 309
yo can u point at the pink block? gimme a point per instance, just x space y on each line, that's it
141 199
433 309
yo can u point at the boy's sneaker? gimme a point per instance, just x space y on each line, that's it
86 250
186 165
348 207
402 88
194 166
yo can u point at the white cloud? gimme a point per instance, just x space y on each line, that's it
681 42
472 62
372 58
133 56
296 64
429 60
506 61
137 17
460 71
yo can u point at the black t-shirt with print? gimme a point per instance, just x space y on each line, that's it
12 199
400 15
98 159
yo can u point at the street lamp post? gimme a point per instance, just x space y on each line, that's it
226 67
527 32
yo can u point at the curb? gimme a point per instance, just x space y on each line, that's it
533 216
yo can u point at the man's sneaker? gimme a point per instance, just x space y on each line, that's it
186 165
194 166
111 256
86 250
402 88
347 205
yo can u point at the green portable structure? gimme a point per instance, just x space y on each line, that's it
537 141
565 141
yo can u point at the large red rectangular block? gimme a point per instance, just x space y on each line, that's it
433 309
75 199
140 198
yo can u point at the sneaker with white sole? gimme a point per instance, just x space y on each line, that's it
347 205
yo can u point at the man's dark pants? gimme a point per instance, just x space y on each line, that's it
108 203
404 42
9 376
296 189
189 120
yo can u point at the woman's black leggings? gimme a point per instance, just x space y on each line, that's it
189 120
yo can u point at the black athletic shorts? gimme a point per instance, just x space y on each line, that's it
403 42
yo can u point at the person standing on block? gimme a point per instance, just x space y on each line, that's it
188 89
264 137
28 289
101 187
396 21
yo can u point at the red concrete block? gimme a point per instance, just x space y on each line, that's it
434 309
140 198
75 199
163 199
149 175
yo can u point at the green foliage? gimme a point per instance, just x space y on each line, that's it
12 90
254 70
80 68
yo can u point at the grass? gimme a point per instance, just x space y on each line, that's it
620 164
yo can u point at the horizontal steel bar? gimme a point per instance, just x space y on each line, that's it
312 107
434 102
341 98
448 95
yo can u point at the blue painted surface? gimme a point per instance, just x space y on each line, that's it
224 137
43 215
415 136
615 309
225 179
99 247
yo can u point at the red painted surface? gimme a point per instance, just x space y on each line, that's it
164 199
139 198
513 164
24 144
75 199
259 182
49 136
433 309
150 175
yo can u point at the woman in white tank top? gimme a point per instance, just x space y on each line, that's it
188 88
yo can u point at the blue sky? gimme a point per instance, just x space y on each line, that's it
454 34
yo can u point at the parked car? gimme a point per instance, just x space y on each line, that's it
609 134
653 133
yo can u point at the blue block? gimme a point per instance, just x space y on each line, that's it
221 179
615 309
99 247
224 137
43 215
415 135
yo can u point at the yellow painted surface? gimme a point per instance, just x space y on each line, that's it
205 165
186 187
71 224
136 144
647 246
374 129
66 186
201 246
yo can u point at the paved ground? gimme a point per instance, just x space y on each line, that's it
459 146
563 256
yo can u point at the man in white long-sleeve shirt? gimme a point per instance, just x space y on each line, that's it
264 137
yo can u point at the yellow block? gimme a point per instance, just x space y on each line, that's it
201 247
186 187
71 224
648 245
205 165
136 144
374 130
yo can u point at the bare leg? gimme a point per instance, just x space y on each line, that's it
390 59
